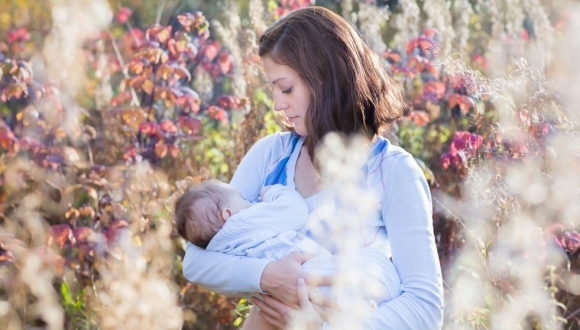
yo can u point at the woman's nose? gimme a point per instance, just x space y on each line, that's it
279 104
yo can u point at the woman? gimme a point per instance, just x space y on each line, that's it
326 79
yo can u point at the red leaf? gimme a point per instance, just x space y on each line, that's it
410 46
123 15
18 35
7 138
149 128
420 118
211 50
430 33
161 149
480 61
121 98
467 142
188 99
130 153
465 102
447 160
168 126
119 223
61 234
30 144
228 101
189 126
225 63
217 113
392 56
416 64
436 88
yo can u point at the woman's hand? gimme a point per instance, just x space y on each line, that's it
280 277
306 317
282 316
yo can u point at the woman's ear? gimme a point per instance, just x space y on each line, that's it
226 213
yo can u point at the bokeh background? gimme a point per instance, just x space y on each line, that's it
107 105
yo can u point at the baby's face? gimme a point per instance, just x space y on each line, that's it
235 201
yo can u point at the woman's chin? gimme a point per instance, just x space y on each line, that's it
300 131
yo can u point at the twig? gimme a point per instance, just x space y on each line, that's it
160 11
458 220
134 99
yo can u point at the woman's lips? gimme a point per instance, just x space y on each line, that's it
292 119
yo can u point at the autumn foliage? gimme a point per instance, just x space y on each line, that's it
85 223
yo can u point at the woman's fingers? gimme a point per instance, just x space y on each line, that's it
322 301
303 295
306 317
301 257
323 312
320 280
279 278
273 311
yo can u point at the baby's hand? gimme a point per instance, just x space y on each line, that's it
263 192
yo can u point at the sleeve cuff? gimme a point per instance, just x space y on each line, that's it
254 269
270 194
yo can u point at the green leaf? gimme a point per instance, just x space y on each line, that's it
66 295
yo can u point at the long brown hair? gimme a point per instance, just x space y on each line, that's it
351 92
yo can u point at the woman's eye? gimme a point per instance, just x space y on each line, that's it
287 91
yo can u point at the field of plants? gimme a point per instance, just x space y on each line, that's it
105 105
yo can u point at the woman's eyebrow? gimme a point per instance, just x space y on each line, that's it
276 80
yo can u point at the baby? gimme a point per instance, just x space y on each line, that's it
214 216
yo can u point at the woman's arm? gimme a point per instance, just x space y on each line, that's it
222 273
407 214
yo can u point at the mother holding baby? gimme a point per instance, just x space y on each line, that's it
325 78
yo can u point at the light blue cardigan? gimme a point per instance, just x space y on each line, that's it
402 227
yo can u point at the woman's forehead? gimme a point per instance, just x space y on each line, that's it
276 72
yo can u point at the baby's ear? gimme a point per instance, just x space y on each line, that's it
226 213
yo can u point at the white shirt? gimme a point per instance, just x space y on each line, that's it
402 227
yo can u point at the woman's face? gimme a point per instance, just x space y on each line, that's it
291 94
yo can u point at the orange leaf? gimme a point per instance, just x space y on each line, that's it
82 234
161 149
174 151
420 118
147 86
60 234
158 33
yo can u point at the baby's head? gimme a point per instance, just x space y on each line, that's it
202 210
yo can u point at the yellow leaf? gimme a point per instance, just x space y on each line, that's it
147 86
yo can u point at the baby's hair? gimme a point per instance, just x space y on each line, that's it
198 212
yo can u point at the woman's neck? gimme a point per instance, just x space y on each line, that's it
306 178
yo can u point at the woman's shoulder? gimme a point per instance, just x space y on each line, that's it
275 143
393 158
